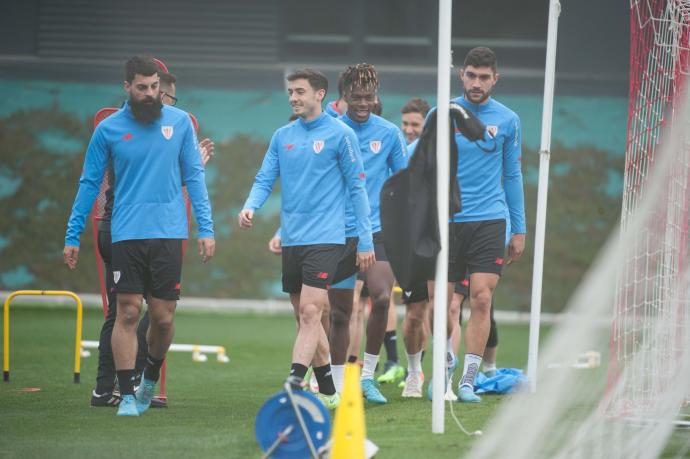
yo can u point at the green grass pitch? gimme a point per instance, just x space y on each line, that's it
212 405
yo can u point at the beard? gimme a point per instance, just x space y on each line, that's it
147 110
469 96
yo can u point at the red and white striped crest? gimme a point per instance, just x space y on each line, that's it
167 132
318 146
375 146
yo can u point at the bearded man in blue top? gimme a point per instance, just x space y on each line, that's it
491 187
154 151
317 158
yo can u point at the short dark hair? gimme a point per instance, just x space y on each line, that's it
316 79
168 79
481 57
140 65
416 105
341 85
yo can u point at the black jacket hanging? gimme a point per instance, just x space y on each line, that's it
409 217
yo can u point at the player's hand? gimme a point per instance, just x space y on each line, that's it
516 247
206 149
274 245
365 260
245 217
70 254
207 246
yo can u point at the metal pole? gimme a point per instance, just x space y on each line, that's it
544 157
442 191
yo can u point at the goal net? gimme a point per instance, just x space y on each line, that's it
633 306
650 301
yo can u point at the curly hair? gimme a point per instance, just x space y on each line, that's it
361 76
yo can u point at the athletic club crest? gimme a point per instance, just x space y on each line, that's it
493 130
318 146
167 132
116 276
375 146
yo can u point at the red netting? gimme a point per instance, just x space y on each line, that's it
98 207
648 292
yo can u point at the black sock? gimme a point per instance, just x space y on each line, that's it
104 388
153 368
390 341
298 370
125 379
325 379
352 359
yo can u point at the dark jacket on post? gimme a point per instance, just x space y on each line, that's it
409 217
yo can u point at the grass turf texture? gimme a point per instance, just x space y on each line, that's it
212 405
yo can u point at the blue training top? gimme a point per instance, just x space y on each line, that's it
332 109
151 163
350 219
319 163
411 147
384 152
489 170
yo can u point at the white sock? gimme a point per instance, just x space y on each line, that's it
489 366
369 367
470 370
338 373
414 363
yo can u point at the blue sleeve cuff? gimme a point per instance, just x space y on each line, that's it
74 242
365 246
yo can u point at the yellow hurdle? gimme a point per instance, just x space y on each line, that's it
6 328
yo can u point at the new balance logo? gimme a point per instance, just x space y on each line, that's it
322 275
127 137
290 146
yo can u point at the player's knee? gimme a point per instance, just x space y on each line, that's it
415 315
128 315
164 323
481 302
309 314
454 307
381 301
340 318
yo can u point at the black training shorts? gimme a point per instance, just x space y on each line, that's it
312 265
476 247
463 287
347 265
148 266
